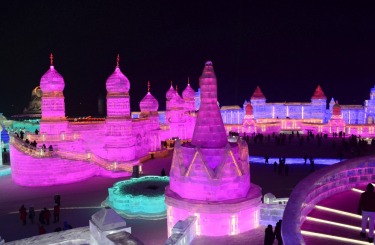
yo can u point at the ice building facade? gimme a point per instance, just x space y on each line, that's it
70 151
210 177
314 116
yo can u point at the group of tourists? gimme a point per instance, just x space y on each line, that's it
271 235
44 216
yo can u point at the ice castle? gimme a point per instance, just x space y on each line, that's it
70 151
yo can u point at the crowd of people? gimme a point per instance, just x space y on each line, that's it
33 143
44 217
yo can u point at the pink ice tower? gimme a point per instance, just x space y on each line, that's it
53 105
119 140
149 109
210 177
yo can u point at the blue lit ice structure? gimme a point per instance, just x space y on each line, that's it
139 197
5 170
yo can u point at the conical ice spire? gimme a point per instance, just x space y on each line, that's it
209 131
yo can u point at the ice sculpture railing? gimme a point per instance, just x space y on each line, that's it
319 186
53 138
77 156
29 149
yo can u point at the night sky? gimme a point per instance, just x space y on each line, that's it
286 49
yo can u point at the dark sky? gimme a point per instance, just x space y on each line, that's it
285 48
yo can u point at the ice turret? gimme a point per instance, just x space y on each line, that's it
117 82
149 103
209 131
319 94
258 94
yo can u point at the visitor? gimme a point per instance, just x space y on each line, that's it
31 214
23 214
278 233
312 165
280 168
41 217
50 148
275 166
366 208
21 134
269 236
162 172
286 170
44 147
47 215
57 199
36 131
56 213
266 159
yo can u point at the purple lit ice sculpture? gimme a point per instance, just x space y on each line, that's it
209 177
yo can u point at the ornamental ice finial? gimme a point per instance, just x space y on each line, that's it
51 59
118 60
188 81
176 88
148 86
171 83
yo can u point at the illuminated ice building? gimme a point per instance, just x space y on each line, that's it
210 177
109 146
259 116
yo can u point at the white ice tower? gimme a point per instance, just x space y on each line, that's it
210 177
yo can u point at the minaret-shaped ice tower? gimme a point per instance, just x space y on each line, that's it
209 131
210 177
53 103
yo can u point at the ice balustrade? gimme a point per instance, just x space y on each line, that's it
319 186
53 138
90 157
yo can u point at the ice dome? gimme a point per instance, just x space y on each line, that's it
176 100
188 93
149 103
52 81
117 82
170 93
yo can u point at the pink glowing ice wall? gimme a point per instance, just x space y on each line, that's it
210 178
53 105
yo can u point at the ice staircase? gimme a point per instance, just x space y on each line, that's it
335 220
